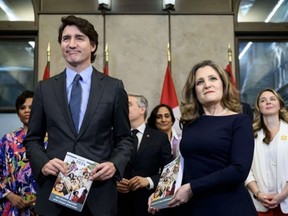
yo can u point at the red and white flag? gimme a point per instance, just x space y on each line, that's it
169 97
229 66
229 71
106 68
46 74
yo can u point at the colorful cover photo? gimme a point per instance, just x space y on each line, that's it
170 180
72 190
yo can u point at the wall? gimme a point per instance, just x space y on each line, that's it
138 50
138 47
9 122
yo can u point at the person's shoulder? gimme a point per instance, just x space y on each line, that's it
242 118
284 123
15 132
108 80
104 76
237 115
9 137
53 78
154 131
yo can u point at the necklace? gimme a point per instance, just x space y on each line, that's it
221 113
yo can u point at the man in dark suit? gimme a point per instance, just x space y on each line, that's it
101 133
246 109
152 152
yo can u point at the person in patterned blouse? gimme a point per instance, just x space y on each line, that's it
17 185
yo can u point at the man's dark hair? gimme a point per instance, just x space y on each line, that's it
84 26
22 98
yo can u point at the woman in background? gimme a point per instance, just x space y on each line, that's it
268 177
162 118
18 187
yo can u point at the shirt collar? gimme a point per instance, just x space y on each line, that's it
175 135
141 128
85 74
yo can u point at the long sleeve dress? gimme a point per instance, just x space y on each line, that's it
218 152
15 173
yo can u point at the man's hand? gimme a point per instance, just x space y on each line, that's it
103 171
122 186
137 182
54 166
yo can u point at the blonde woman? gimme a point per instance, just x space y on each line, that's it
267 180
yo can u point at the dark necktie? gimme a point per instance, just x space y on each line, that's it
135 143
75 100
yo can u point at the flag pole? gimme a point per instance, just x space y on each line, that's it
48 52
229 53
106 60
46 74
229 66
106 53
168 53
169 40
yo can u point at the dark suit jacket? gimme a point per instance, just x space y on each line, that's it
104 136
153 154
246 109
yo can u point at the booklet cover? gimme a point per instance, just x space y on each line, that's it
170 180
72 190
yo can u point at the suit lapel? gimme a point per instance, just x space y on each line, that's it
145 140
96 91
60 93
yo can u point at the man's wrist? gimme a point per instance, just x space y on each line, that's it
151 184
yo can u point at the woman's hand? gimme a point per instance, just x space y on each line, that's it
151 210
182 195
17 201
266 200
276 199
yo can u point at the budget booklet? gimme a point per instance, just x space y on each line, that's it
170 180
71 190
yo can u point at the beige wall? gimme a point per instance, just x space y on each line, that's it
138 47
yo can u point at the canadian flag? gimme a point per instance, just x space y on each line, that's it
230 73
46 74
169 97
106 68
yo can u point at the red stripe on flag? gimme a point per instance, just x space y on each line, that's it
106 69
169 95
46 74
229 70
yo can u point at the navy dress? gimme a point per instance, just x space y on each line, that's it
218 153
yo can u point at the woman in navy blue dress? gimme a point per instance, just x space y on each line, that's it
217 146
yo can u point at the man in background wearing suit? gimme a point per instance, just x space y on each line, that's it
152 152
99 130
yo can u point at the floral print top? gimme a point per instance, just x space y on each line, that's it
15 173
